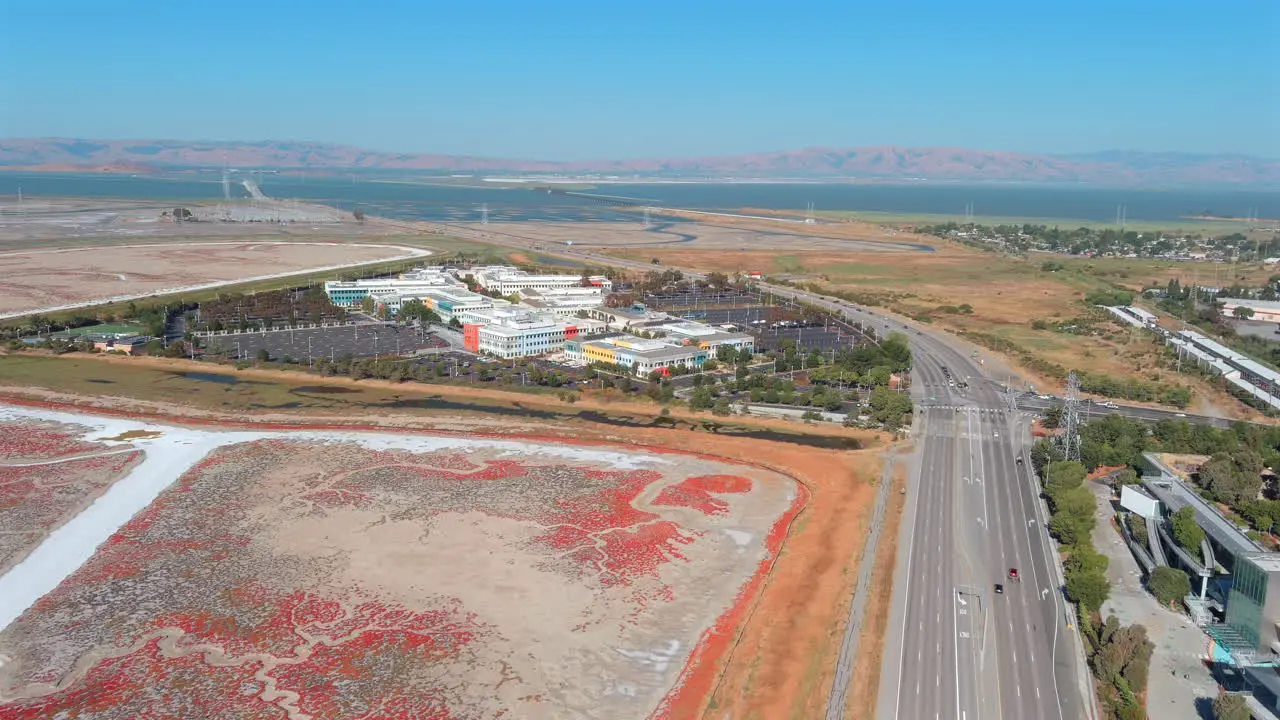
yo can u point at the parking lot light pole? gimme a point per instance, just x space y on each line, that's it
309 366
238 353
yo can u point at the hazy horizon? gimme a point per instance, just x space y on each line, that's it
769 151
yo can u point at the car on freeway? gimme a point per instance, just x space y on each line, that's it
999 589
1018 460
997 434
1180 415
1013 574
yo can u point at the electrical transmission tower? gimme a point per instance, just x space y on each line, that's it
1071 419
484 214
647 222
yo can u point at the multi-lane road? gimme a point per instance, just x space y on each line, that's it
1089 410
959 649
956 648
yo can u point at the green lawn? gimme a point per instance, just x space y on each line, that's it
106 329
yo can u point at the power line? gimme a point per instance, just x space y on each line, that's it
1071 419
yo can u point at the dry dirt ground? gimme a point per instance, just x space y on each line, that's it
863 696
779 652
702 235
37 280
43 222
48 474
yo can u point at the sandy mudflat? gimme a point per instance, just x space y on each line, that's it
328 573
45 280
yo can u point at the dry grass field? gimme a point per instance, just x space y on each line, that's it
1005 294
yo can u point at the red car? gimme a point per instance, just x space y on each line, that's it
1013 574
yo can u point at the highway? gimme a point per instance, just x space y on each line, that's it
974 512
955 648
1089 410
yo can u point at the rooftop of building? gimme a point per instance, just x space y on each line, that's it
1266 561
1180 493
692 329
441 280
1273 305
645 349
1239 360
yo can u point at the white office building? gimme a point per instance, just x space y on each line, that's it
352 293
508 280
514 332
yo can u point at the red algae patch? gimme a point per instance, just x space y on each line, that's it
320 576
47 475
699 493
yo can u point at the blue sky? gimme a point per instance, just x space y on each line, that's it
562 79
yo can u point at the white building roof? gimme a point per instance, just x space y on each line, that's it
1268 305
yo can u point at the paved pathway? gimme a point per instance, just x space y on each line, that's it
1178 675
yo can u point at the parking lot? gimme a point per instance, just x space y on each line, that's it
368 340
767 322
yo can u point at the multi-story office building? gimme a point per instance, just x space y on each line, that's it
507 280
707 337
352 293
639 355
514 332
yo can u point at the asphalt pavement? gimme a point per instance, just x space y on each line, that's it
316 343
1089 410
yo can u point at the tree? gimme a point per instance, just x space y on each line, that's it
1168 584
1231 706
1052 417
358 214
701 399
1186 531
181 214
1242 313
1089 589
1085 559
264 355
155 347
367 304
721 407
889 407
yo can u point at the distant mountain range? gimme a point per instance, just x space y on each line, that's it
869 163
